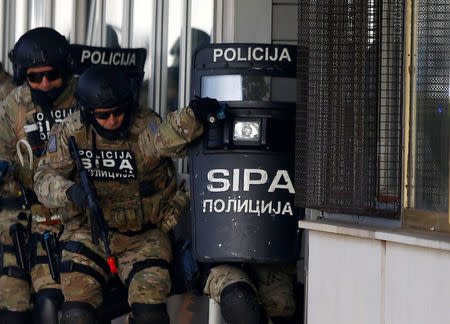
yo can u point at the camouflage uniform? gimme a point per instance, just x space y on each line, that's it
17 113
273 284
140 206
14 292
6 84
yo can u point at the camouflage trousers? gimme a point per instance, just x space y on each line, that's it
274 285
150 285
15 293
41 277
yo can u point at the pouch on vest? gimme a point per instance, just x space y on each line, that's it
124 219
174 207
34 139
152 205
42 211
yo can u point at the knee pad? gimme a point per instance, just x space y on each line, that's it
8 317
47 305
78 313
239 305
149 314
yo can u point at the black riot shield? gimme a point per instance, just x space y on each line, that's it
130 60
242 168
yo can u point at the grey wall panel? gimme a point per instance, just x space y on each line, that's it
284 22
285 1
246 21
284 42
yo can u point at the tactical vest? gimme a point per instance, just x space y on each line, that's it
33 126
132 191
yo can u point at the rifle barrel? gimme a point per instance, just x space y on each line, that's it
99 227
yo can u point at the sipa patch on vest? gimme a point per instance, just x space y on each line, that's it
108 165
45 122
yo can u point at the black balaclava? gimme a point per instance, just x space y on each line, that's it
119 133
45 99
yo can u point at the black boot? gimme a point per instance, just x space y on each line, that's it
78 313
9 317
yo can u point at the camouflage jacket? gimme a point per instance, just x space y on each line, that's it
134 178
6 83
20 119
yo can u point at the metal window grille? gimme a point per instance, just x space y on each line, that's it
348 139
430 157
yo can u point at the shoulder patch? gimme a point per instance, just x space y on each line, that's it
153 126
52 147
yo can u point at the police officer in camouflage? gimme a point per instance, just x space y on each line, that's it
15 306
6 83
252 293
41 66
127 151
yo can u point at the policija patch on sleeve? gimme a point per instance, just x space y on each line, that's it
52 147
153 127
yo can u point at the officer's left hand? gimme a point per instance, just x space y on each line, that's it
204 108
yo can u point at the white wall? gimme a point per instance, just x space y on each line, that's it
344 279
364 281
417 285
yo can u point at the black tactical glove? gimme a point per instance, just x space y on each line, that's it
204 108
77 195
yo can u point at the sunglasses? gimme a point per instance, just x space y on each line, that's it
105 114
36 77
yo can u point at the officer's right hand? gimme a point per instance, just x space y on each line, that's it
77 195
204 108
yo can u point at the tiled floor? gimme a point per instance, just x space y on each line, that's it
183 309
120 320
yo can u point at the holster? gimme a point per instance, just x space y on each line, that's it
50 244
18 234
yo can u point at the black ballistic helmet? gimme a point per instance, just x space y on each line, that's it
39 47
105 87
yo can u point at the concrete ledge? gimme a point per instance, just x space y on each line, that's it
432 240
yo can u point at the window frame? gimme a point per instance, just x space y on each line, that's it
414 217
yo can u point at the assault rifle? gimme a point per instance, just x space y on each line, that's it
99 226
